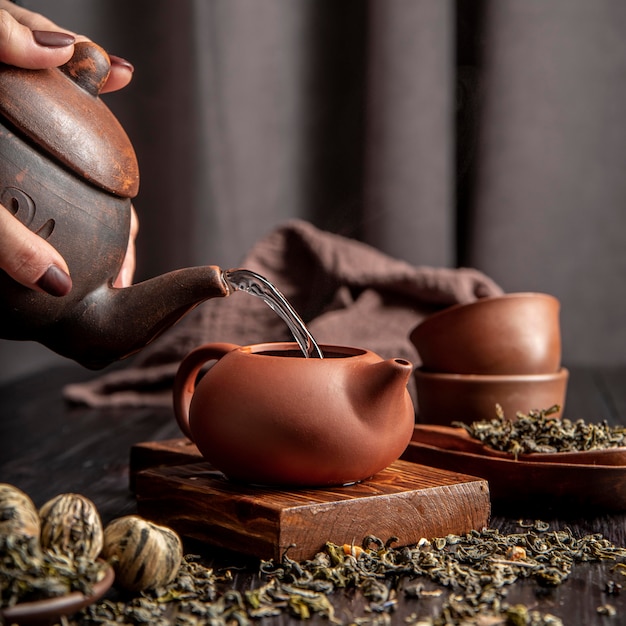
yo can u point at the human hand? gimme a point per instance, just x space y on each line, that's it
32 41
33 262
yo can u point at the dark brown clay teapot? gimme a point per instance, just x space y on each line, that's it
265 414
68 171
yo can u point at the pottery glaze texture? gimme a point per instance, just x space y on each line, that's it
265 414
517 333
503 350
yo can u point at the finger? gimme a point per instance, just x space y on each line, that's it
32 49
29 259
30 40
127 271
121 74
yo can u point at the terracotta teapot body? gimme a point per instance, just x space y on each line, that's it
265 414
68 171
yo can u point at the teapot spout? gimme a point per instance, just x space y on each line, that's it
383 388
112 324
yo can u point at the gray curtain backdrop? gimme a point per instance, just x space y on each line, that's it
488 134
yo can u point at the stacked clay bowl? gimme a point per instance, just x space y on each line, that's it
502 350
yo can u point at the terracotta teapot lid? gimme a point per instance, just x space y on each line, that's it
60 110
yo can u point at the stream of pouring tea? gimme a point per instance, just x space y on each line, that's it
257 285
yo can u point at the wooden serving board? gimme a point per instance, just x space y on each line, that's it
175 487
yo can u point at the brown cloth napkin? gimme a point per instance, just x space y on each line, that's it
347 293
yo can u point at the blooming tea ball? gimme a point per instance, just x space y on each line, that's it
18 514
143 554
71 525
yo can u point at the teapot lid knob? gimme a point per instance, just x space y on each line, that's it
89 67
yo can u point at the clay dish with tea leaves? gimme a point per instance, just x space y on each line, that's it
516 333
528 485
49 610
458 439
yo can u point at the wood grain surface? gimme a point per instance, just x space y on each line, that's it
406 500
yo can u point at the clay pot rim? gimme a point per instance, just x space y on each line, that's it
486 301
256 349
425 375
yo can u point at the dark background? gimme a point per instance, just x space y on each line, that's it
484 133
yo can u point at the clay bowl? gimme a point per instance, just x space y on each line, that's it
446 398
517 333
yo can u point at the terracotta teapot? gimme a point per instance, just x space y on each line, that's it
68 171
265 414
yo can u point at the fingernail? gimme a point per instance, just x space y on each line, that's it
53 38
115 60
55 282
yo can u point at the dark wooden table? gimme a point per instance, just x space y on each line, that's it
48 447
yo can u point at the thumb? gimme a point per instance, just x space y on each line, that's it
32 49
29 259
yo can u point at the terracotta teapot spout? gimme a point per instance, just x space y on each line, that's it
383 383
112 324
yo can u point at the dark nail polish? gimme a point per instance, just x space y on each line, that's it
53 38
115 60
55 282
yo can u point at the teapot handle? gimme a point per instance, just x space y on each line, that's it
186 377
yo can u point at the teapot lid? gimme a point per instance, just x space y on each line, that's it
59 109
